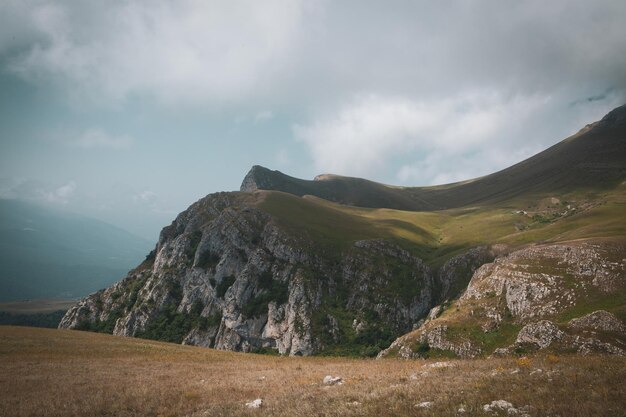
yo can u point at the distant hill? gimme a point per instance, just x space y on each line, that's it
593 158
46 252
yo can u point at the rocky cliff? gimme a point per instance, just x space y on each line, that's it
543 296
226 274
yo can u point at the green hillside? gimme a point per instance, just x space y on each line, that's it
436 235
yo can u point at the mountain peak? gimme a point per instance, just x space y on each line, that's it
616 117
258 178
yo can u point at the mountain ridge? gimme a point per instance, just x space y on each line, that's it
589 158
359 264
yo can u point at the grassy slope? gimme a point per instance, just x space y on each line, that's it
71 373
436 235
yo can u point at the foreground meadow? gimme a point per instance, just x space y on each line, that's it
71 373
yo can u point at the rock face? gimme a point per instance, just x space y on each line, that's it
542 334
598 320
519 299
225 274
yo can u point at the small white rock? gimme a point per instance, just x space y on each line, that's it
425 404
332 380
461 410
255 404
498 405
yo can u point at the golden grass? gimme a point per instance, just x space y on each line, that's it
71 373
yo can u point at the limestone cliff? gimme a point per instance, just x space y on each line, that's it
225 274
523 301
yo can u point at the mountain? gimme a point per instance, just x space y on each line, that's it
45 252
591 159
345 266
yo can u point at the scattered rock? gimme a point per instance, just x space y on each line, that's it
332 380
591 346
542 334
435 312
502 351
598 320
255 404
498 405
461 410
425 404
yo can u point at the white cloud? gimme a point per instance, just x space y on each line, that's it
186 50
97 138
365 135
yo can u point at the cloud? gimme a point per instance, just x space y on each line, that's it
290 51
415 91
97 138
363 136
435 141
175 51
37 191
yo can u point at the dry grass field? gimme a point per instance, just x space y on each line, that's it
71 373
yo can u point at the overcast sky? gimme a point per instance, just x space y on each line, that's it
130 111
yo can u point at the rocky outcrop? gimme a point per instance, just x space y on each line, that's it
226 274
528 290
598 320
606 337
541 334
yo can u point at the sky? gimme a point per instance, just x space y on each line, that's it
129 111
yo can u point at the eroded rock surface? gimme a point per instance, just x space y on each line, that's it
227 275
516 301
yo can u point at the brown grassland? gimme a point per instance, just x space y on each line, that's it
71 373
